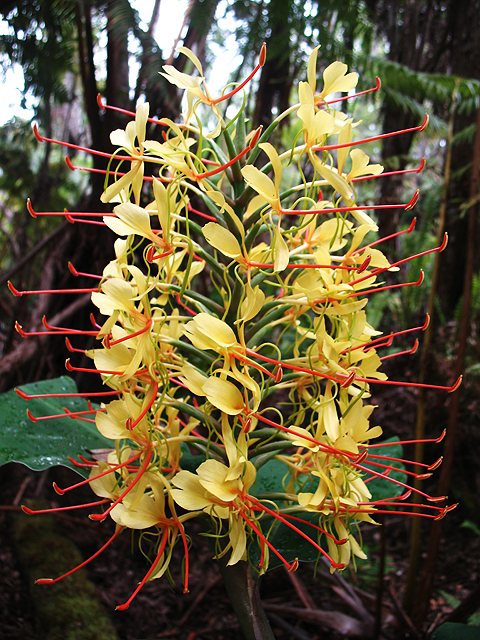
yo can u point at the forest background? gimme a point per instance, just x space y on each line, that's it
427 54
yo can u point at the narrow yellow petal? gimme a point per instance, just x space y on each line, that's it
224 395
222 239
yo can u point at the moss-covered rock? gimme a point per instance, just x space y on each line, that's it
69 609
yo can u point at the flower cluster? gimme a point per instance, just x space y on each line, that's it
232 322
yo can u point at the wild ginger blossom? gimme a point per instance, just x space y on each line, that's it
234 320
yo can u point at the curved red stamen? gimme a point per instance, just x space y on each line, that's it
402 353
31 512
101 517
97 553
266 541
147 327
100 475
153 391
384 174
47 291
253 142
263 55
67 414
125 605
279 517
378 84
354 143
25 396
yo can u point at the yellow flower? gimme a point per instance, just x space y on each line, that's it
211 489
126 140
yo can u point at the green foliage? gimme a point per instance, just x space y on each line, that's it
473 621
42 40
381 488
290 544
455 631
44 444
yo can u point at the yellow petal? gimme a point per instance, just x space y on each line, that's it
224 395
208 332
260 182
122 183
141 121
252 304
132 219
275 160
334 79
189 494
111 423
191 56
238 540
312 69
344 136
280 252
193 379
222 239
332 177
360 166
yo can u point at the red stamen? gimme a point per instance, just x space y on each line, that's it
101 517
407 206
353 143
376 272
402 353
185 546
65 213
100 475
76 273
25 396
393 444
93 152
377 86
293 367
435 465
18 293
190 311
266 541
70 367
199 213
263 55
385 238
73 220
419 169
315 526
117 174
132 335
122 607
278 516
68 344
253 142
54 510
103 105
67 414
153 391
97 553
397 482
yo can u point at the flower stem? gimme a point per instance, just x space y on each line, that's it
243 593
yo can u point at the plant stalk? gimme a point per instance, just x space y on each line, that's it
243 593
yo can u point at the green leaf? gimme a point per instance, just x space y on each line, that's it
382 488
456 631
287 542
47 443
270 478
291 544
